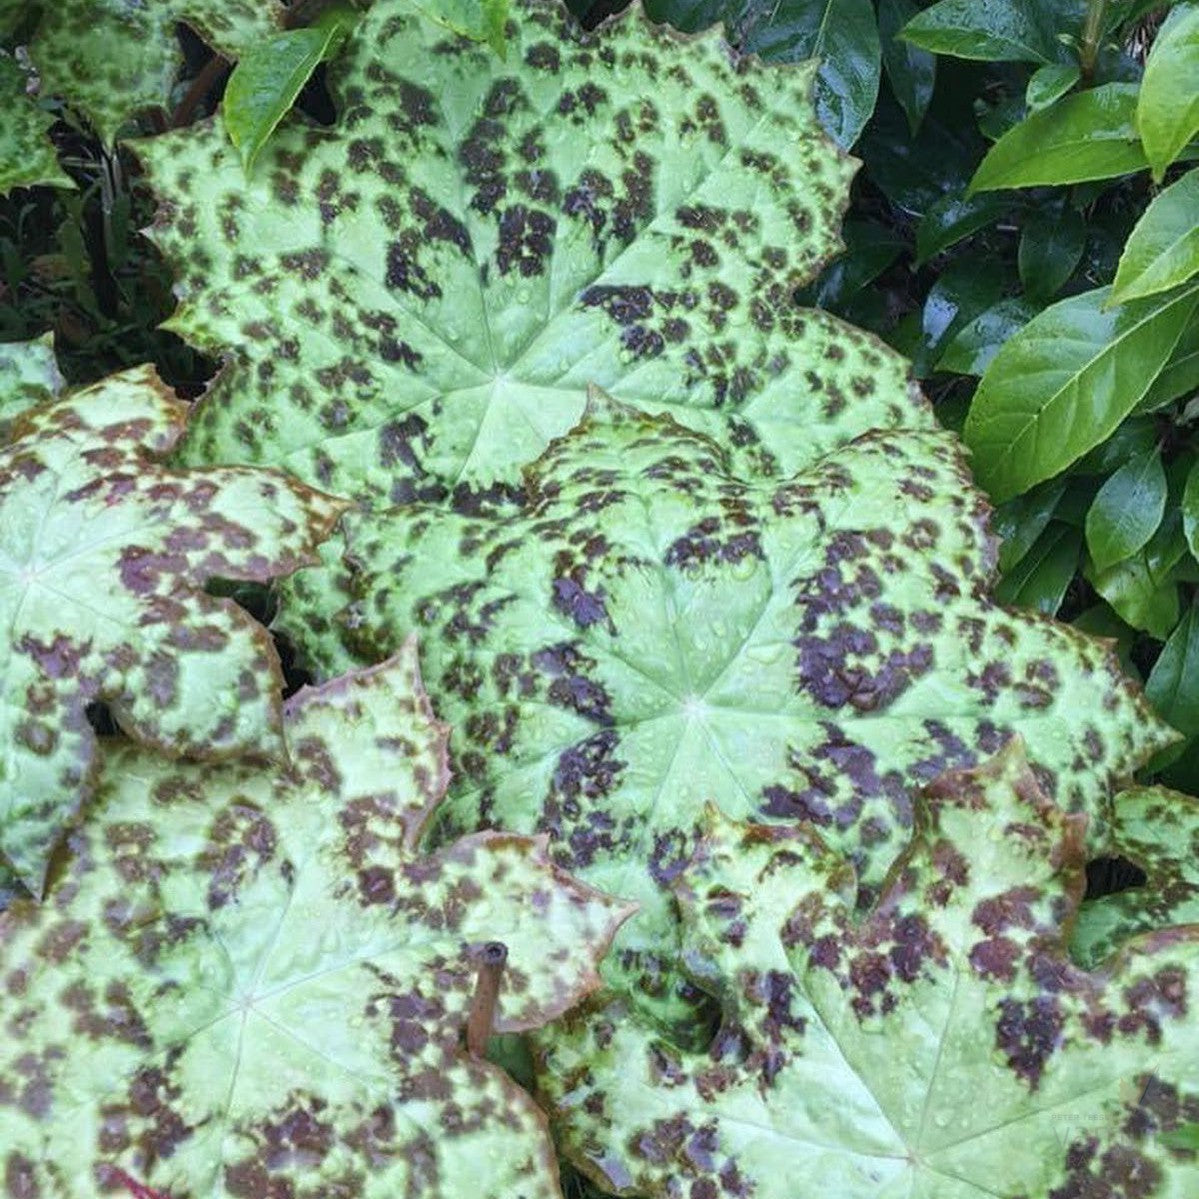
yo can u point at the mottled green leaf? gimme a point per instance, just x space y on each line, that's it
912 72
942 1046
1014 31
976 343
1049 84
249 982
654 632
1040 579
29 375
417 299
1156 830
1064 382
842 34
1163 248
1127 510
1051 246
271 74
113 59
27 155
1088 135
1167 114
104 554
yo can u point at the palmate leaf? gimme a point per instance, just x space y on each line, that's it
248 983
112 59
415 300
27 155
1156 830
942 1047
104 554
652 633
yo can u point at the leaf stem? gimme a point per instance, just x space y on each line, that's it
491 959
1092 32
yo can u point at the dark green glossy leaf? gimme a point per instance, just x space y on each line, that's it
1087 135
962 291
1173 684
1040 579
869 249
1051 247
912 72
953 218
1190 510
1142 588
1167 113
1013 31
1135 436
978 341
842 34
1127 511
1019 522
1163 249
270 75
1065 381
1049 84
1180 375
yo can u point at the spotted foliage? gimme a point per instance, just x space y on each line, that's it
1157 831
249 985
104 554
653 632
27 155
112 59
414 301
29 375
942 1046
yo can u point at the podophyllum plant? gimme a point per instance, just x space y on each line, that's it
758 575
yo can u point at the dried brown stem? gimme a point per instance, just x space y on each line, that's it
204 82
491 959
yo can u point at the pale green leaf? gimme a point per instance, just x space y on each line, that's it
1167 113
943 1045
1163 248
479 20
1064 382
841 34
29 376
112 59
104 554
1087 135
653 632
1156 830
249 982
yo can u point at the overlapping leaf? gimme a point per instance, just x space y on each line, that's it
248 983
653 633
112 59
1156 830
416 300
103 558
27 155
944 1046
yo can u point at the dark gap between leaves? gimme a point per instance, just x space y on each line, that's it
1110 876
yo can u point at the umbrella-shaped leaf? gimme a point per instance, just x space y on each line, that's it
943 1046
104 554
416 299
249 983
112 59
653 633
1157 831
